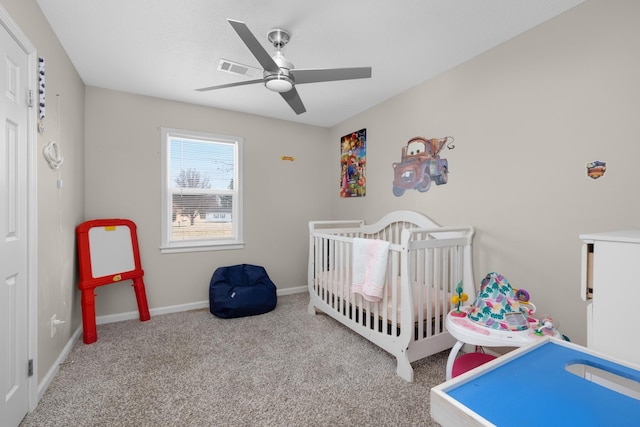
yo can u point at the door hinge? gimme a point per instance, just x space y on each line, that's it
30 98
30 368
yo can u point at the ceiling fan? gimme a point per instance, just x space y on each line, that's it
279 74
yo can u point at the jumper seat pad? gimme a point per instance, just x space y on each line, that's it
241 290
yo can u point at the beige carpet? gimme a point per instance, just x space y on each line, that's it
283 368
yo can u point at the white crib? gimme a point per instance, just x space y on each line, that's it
425 264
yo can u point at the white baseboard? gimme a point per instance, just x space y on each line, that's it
101 320
46 381
110 318
291 291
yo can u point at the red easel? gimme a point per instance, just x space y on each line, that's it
104 249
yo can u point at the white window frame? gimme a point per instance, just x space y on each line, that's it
174 246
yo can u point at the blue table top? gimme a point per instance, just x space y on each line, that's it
535 389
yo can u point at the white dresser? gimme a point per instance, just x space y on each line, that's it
611 286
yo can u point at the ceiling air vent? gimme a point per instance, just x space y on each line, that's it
240 69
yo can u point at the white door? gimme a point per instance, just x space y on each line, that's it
14 74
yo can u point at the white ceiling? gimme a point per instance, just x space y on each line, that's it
168 48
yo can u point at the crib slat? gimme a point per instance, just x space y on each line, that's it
346 250
438 291
423 290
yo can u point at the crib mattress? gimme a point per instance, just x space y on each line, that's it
435 300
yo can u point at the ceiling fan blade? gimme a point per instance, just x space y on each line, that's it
294 101
246 82
330 74
254 46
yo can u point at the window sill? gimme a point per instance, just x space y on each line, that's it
191 247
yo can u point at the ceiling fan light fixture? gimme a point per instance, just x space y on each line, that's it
278 83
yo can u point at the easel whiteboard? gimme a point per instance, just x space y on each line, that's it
111 249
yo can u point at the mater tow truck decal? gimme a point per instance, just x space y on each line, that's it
420 164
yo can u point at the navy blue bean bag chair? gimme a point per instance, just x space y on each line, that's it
241 290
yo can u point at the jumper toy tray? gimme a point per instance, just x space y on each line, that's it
498 307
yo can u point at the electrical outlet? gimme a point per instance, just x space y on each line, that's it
54 323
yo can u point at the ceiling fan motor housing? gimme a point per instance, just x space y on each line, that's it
280 81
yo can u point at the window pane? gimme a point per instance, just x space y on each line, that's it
201 164
202 216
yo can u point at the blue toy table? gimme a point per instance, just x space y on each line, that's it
532 387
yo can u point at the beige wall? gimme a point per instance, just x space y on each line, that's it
58 210
526 116
124 180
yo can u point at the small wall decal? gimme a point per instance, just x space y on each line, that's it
41 101
41 87
353 161
289 158
596 169
420 164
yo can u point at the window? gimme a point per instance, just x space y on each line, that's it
201 191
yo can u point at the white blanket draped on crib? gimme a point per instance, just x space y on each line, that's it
369 268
